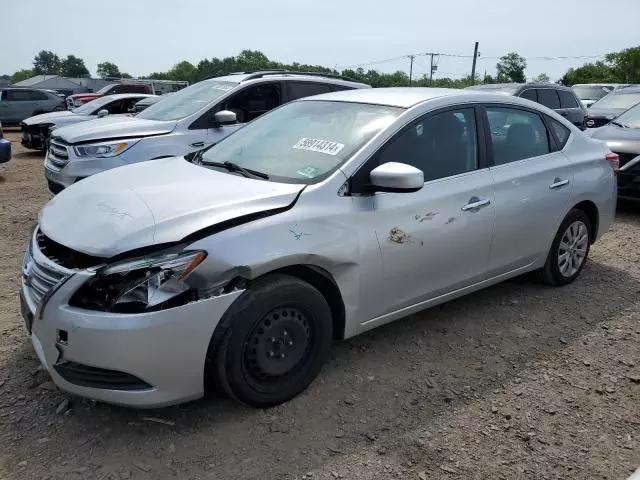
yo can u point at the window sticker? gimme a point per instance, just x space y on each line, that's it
419 129
309 171
320 146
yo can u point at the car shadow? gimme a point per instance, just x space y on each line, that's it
380 383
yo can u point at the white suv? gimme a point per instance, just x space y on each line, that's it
185 122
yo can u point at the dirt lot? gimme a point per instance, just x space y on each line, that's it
517 381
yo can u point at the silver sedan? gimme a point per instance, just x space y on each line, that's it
318 221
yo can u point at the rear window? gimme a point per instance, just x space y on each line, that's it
560 132
592 92
549 98
567 99
18 96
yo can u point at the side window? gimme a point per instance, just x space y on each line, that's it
567 99
529 94
37 96
115 108
440 145
516 135
297 90
340 88
253 101
18 95
549 98
560 132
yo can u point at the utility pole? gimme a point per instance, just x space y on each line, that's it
411 57
473 67
431 70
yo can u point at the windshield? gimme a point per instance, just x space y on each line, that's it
591 92
304 141
630 118
189 100
617 100
105 89
93 106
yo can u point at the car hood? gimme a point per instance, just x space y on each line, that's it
608 113
152 203
114 127
52 117
622 140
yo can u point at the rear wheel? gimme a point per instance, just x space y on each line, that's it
272 342
569 250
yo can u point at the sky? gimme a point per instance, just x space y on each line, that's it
141 37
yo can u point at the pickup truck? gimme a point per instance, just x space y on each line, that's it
78 99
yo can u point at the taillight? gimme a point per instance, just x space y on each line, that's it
614 161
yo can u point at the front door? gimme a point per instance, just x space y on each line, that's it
435 240
532 187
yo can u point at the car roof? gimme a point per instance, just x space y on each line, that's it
242 77
629 89
517 86
404 97
119 96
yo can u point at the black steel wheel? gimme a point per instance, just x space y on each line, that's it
272 342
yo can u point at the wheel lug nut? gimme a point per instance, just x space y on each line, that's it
282 355
290 343
285 333
271 353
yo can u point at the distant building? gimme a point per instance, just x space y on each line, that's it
56 82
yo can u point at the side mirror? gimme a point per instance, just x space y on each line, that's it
225 117
396 177
103 113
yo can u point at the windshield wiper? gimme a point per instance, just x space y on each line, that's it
619 124
234 167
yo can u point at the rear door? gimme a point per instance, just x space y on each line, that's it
40 102
570 104
532 185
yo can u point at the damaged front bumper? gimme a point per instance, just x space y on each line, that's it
34 136
149 359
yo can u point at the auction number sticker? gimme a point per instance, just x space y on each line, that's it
321 146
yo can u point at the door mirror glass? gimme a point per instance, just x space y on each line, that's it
103 113
396 177
225 117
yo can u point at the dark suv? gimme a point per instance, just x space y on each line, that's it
556 97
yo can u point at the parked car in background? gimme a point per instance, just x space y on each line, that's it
16 104
556 97
622 135
5 147
36 130
318 221
612 105
142 104
589 93
78 99
187 121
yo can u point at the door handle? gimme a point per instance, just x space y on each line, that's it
557 183
564 114
197 144
475 203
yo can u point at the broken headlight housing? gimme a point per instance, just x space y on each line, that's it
142 284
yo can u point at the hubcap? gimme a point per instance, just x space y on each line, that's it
278 344
573 249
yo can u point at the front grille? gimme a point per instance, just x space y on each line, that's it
93 377
39 279
58 153
65 256
595 122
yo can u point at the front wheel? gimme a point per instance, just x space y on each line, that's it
569 250
272 342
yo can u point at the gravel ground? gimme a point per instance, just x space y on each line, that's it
517 381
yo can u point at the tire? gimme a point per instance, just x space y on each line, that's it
271 343
575 231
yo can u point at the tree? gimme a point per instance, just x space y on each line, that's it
21 75
511 68
108 69
598 72
183 71
46 63
542 78
74 67
625 65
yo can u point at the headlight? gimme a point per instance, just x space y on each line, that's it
141 284
103 149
